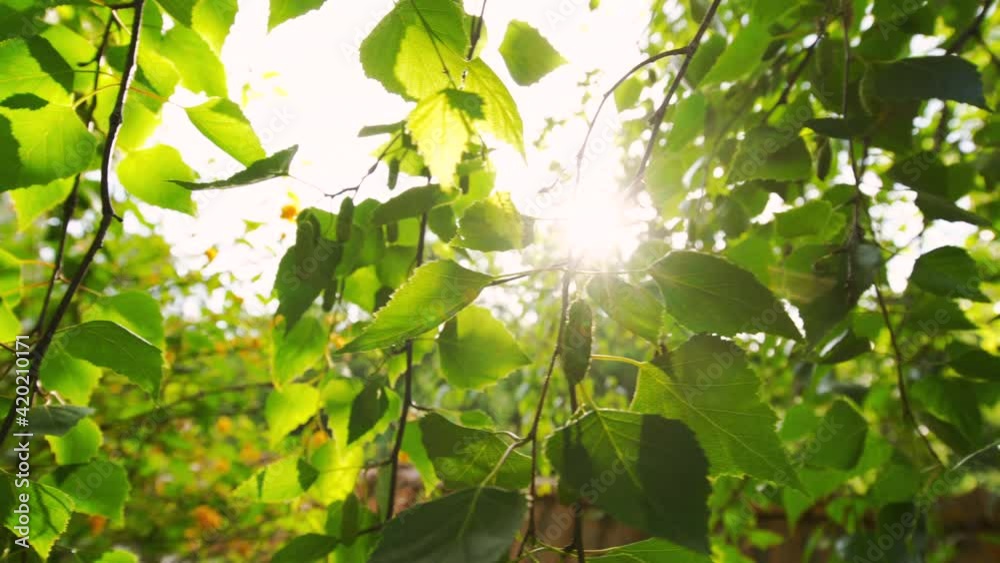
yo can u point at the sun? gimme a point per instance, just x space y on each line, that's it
600 228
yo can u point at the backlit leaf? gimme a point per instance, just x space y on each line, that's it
709 386
649 490
434 293
477 350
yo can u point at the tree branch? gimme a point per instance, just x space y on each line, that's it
69 205
107 215
974 29
904 396
407 394
642 64
657 120
533 433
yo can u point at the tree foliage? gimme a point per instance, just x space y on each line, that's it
764 347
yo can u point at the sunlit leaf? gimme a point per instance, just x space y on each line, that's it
434 293
477 350
709 386
528 55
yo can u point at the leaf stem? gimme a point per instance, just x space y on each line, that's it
618 359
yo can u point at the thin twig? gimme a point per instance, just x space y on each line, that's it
604 99
797 72
476 32
904 396
407 394
69 205
107 216
661 112
533 433
974 29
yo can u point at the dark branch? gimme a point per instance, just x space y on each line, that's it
661 112
107 216
407 394
604 99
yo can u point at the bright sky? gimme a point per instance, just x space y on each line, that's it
303 84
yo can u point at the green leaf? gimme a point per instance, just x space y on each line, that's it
494 224
274 166
223 122
688 122
197 64
55 420
118 556
213 19
502 118
402 51
284 10
295 351
838 128
741 57
934 206
78 445
48 510
951 399
650 551
709 386
38 146
73 379
649 490
464 457
150 174
109 345
477 350
442 125
180 10
709 294
470 525
33 202
527 54
434 293
632 307
704 59
771 154
307 548
32 65
813 218
367 409
577 339
948 271
135 310
441 221
628 92
100 487
847 347
279 482
840 439
947 77
766 11
414 202
974 363
288 408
